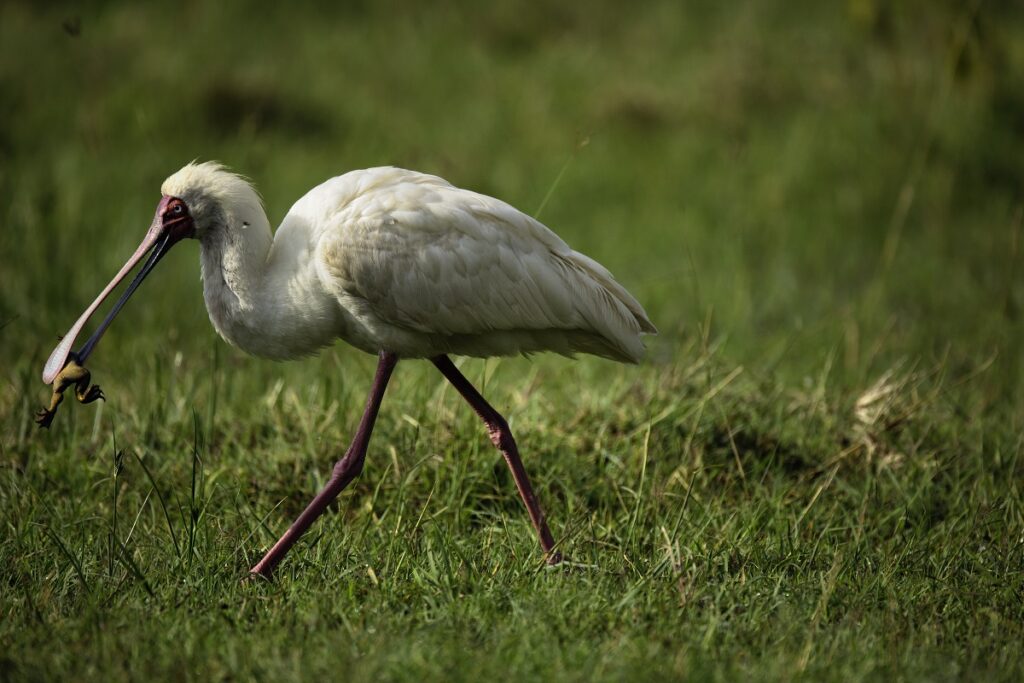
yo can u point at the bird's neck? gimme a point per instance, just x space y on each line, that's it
263 293
233 259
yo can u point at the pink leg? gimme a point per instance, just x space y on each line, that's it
346 469
501 436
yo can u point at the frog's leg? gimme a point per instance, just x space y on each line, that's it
86 394
45 416
80 377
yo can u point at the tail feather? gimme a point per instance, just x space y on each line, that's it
606 280
608 308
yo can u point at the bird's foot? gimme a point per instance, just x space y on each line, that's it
255 577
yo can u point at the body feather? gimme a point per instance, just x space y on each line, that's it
392 259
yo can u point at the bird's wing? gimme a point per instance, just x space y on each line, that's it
436 259
433 261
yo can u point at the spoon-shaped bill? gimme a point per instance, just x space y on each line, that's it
170 225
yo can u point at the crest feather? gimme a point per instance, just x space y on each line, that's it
213 180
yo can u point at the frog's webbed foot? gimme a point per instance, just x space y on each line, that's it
45 416
90 394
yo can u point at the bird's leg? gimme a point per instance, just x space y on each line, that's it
501 436
345 470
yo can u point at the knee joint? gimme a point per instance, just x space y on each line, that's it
348 468
501 435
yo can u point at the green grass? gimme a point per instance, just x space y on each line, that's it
816 475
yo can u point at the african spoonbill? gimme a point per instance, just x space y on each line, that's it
396 263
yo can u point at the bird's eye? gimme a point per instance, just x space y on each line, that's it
178 209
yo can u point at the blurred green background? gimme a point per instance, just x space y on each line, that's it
815 178
806 197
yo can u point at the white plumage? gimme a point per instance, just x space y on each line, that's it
392 259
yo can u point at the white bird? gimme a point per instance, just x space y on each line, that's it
397 263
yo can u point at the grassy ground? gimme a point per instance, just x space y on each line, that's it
816 475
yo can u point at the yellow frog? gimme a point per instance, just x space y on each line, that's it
72 374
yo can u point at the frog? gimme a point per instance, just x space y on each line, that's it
73 374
